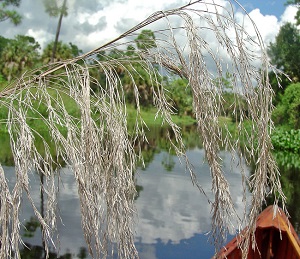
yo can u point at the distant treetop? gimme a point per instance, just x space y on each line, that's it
8 14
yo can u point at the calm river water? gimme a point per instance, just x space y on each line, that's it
174 217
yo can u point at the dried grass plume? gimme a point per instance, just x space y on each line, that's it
97 145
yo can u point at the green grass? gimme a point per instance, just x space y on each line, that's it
148 115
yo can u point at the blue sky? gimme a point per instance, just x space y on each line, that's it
267 7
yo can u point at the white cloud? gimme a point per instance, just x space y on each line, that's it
41 36
268 25
122 16
289 15
92 23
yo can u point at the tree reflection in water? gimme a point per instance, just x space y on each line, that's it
289 167
38 252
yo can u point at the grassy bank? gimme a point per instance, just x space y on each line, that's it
149 116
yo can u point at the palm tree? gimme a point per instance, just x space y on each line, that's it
19 55
63 52
53 9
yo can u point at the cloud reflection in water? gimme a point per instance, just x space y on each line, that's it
173 216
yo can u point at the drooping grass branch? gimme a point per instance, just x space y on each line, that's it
199 41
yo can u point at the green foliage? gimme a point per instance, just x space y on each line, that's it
181 96
285 54
294 2
287 160
3 42
287 111
31 226
3 113
2 81
278 88
285 51
286 140
133 72
134 75
8 14
225 83
63 51
22 53
145 40
6 156
75 50
141 81
233 105
19 55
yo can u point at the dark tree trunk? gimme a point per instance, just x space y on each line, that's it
58 30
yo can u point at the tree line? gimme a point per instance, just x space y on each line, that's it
24 53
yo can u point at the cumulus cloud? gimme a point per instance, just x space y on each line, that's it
289 15
268 25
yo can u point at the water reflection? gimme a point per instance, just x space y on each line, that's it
71 243
174 217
